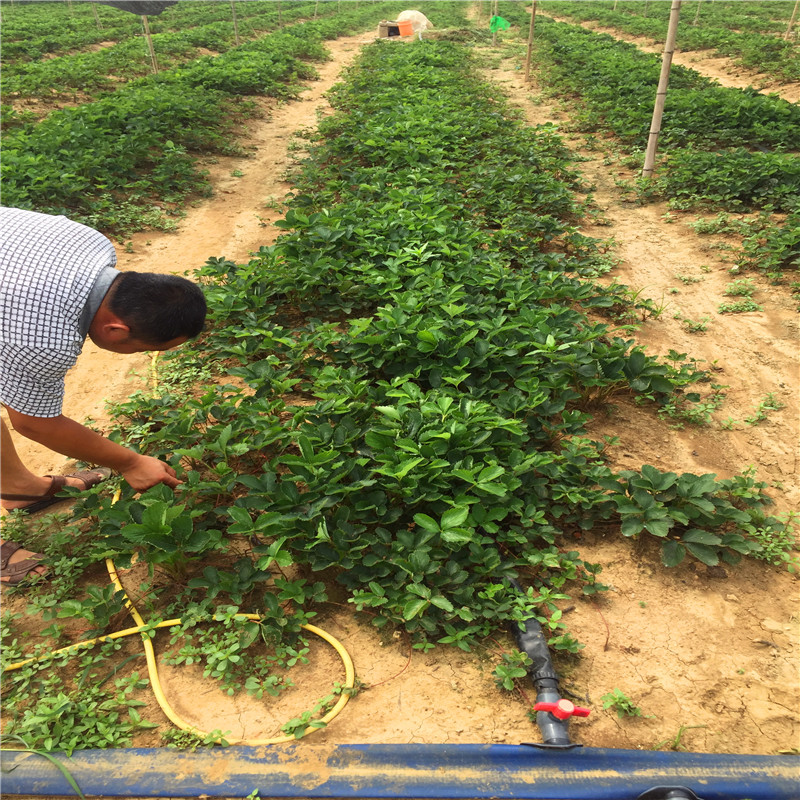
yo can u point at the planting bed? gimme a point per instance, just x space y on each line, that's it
706 650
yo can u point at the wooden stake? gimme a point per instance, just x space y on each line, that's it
235 24
153 59
530 43
280 15
494 14
696 13
661 92
96 17
615 5
316 7
791 21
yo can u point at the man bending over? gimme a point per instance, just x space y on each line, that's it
58 285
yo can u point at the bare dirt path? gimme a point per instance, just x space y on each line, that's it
713 650
722 69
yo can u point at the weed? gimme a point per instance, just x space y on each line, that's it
192 739
298 726
687 279
693 326
273 204
741 287
692 408
513 666
739 307
621 703
766 404
675 742
237 173
49 715
778 541
56 762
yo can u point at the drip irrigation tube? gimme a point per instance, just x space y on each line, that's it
410 771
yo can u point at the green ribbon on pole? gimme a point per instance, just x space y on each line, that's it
498 24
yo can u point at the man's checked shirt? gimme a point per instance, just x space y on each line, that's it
54 274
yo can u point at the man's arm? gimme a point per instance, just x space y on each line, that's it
70 438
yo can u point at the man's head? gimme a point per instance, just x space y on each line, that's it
146 311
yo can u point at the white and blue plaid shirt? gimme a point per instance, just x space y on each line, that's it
49 267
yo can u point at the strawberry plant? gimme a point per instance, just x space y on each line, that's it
746 32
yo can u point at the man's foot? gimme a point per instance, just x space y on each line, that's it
19 566
29 504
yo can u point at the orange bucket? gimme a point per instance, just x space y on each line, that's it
405 27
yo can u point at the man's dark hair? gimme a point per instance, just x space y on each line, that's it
158 308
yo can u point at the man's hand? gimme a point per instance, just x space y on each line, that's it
72 439
148 471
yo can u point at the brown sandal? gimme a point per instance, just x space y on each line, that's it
57 482
20 571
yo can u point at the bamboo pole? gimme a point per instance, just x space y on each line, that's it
530 43
615 5
96 17
696 13
150 47
661 92
791 21
235 24
316 7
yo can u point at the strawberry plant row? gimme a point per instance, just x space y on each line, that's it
417 382
617 83
724 147
106 161
745 31
734 180
103 70
32 30
743 15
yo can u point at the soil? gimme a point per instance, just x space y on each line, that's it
709 655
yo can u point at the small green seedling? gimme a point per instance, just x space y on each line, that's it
739 307
692 326
741 287
675 742
767 403
513 666
621 703
192 739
